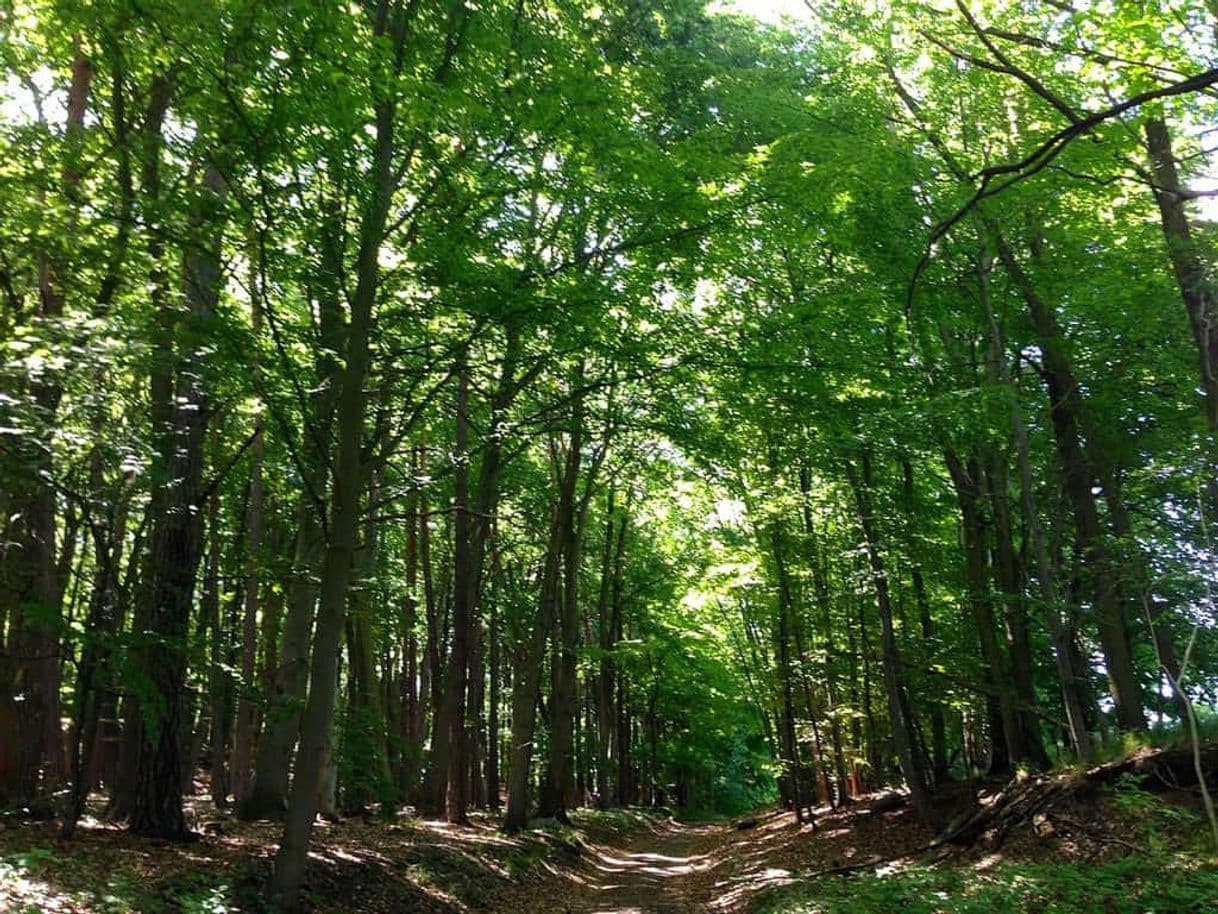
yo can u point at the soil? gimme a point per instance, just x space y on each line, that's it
625 863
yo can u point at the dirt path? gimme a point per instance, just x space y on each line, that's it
671 868
675 868
661 873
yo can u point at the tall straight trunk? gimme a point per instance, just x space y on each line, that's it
317 722
1007 579
526 679
244 731
492 725
611 559
870 738
861 485
1065 409
29 581
475 736
940 768
782 636
453 710
412 737
1007 747
938 730
832 686
176 542
198 706
1188 263
1068 674
217 678
625 784
365 709
431 796
564 700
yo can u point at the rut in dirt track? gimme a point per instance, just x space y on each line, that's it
663 873
672 868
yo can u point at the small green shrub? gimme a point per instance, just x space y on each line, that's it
1132 885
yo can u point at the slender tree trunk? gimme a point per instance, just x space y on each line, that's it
493 725
1007 579
861 485
412 736
464 595
565 653
243 733
1191 270
217 678
526 680
1059 631
1065 408
1006 744
610 572
316 724
790 745
175 546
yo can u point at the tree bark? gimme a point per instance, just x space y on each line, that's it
318 716
1189 266
176 541
966 480
861 485
31 585
1065 412
1059 632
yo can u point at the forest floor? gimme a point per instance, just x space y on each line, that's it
1114 849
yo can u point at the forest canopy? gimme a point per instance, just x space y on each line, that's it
440 405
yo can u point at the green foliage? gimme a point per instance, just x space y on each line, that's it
1131 885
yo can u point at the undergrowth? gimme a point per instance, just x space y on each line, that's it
1133 885
1173 872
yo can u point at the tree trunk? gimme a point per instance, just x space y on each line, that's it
910 769
526 679
566 647
1007 579
1007 747
611 562
492 727
31 584
412 736
782 636
348 485
1068 675
243 733
176 543
1065 408
1191 271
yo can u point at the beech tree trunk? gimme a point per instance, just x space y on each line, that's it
1068 674
30 583
860 485
1007 747
175 544
318 718
1065 401
1191 271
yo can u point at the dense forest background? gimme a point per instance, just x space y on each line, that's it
449 404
